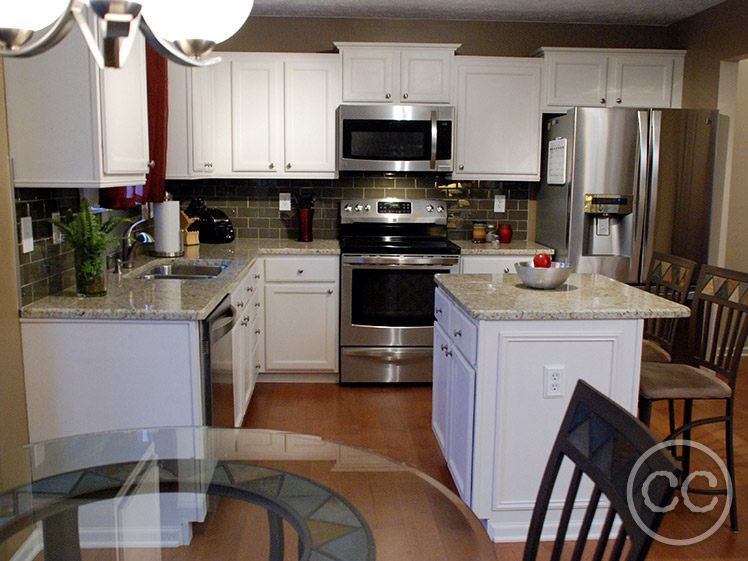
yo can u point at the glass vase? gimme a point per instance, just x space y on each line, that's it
90 274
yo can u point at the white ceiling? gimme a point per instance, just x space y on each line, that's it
637 12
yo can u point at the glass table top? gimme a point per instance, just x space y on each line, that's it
209 493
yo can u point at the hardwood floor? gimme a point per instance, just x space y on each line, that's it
396 421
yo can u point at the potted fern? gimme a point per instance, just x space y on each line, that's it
89 238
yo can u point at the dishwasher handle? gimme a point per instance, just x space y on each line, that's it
222 320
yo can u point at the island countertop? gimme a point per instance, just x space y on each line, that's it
583 296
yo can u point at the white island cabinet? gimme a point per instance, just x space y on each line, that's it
506 360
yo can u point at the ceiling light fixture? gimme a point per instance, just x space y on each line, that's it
185 32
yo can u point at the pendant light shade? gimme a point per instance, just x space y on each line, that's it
31 16
187 20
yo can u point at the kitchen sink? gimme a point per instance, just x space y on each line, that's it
183 271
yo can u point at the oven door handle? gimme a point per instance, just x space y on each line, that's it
434 139
399 261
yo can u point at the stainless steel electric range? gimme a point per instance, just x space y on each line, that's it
390 251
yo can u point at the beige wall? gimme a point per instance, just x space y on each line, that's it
13 427
736 234
477 38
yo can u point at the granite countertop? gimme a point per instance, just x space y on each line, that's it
130 298
467 247
583 296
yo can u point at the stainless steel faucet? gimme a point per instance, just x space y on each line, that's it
130 245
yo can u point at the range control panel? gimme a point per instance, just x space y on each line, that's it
423 211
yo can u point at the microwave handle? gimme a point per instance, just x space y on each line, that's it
433 140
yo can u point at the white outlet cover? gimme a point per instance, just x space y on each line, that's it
499 203
27 235
284 202
56 233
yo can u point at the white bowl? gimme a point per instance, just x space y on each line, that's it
543 277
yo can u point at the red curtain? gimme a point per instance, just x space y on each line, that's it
154 190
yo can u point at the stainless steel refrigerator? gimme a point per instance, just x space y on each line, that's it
619 184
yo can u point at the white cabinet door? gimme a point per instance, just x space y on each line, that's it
576 79
426 75
440 388
256 115
461 411
369 75
498 115
640 81
301 327
201 82
124 115
312 93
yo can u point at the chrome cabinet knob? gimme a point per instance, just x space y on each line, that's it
257 276
602 100
405 96
387 96
288 166
250 288
460 167
506 269
271 165
438 311
257 331
257 366
300 271
444 347
257 304
448 353
618 100
152 164
458 333
330 291
240 304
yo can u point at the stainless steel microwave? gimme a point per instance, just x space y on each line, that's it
396 138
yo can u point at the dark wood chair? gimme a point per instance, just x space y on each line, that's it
604 441
717 333
670 277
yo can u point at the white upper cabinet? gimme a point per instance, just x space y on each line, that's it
396 72
274 115
71 124
498 118
611 78
190 146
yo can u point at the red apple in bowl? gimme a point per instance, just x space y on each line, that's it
542 260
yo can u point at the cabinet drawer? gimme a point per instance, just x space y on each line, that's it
464 334
442 307
301 269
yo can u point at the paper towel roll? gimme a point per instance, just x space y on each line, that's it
166 232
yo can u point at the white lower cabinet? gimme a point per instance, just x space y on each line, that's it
301 313
491 263
491 415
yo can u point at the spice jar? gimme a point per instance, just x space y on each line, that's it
479 232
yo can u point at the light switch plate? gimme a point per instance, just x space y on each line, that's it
284 202
27 235
499 203
56 233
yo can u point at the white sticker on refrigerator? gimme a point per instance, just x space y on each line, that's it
556 162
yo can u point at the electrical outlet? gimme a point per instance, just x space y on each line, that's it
56 233
27 235
284 202
499 203
553 381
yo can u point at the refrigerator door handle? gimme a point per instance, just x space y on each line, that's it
640 240
655 129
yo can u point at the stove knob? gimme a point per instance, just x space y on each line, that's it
347 208
358 208
440 208
429 208
367 208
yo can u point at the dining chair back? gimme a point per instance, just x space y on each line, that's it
670 277
614 449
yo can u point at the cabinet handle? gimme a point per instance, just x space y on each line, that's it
618 100
461 167
152 164
271 165
250 288
257 366
458 332
257 304
448 353
506 269
602 100
257 331
257 276
438 311
387 96
405 96
246 320
240 304
300 271
329 291
288 166
444 347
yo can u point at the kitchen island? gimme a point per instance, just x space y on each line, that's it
506 360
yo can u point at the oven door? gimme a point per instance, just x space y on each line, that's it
388 300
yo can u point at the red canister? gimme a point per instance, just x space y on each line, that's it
505 233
